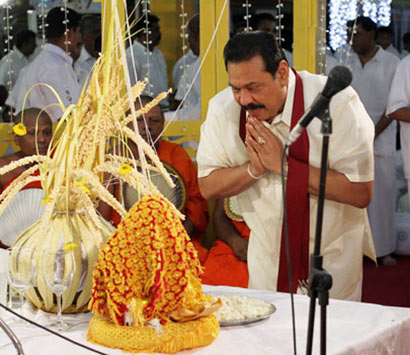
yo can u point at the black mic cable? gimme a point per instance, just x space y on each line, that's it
50 331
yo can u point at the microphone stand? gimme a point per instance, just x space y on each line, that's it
320 281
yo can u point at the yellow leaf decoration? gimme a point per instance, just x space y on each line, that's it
70 246
46 200
20 129
125 169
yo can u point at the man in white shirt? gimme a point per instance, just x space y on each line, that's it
182 65
385 40
398 108
239 156
90 29
145 60
189 88
13 62
373 70
53 67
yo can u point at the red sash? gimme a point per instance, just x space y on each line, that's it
297 199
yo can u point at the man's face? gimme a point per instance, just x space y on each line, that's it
153 124
155 36
256 90
267 26
29 47
74 47
89 37
193 40
363 41
384 39
42 136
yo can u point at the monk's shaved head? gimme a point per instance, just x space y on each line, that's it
30 115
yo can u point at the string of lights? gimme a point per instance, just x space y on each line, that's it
8 41
342 11
321 38
184 36
279 27
146 11
42 16
247 16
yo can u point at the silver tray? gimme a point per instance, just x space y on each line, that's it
231 323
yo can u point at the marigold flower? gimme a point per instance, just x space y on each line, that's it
20 129
125 169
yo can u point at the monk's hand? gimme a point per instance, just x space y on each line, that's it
265 144
240 248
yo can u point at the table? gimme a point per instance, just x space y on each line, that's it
353 328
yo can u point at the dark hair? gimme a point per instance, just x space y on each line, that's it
88 21
385 30
193 24
406 37
55 21
366 22
246 45
257 19
24 36
142 22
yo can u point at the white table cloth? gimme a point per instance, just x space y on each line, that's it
353 328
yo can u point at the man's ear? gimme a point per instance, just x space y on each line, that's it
283 73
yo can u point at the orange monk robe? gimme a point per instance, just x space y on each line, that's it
196 208
222 267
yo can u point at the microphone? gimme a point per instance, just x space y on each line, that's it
339 78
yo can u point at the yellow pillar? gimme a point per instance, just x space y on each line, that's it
305 21
213 73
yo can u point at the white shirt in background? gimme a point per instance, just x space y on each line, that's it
372 82
178 69
53 66
149 65
83 66
346 232
13 62
393 50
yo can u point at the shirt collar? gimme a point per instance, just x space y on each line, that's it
85 56
59 51
19 53
286 115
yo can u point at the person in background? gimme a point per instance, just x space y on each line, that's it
398 108
90 29
36 140
189 88
373 70
53 66
384 38
240 153
406 45
145 60
13 62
